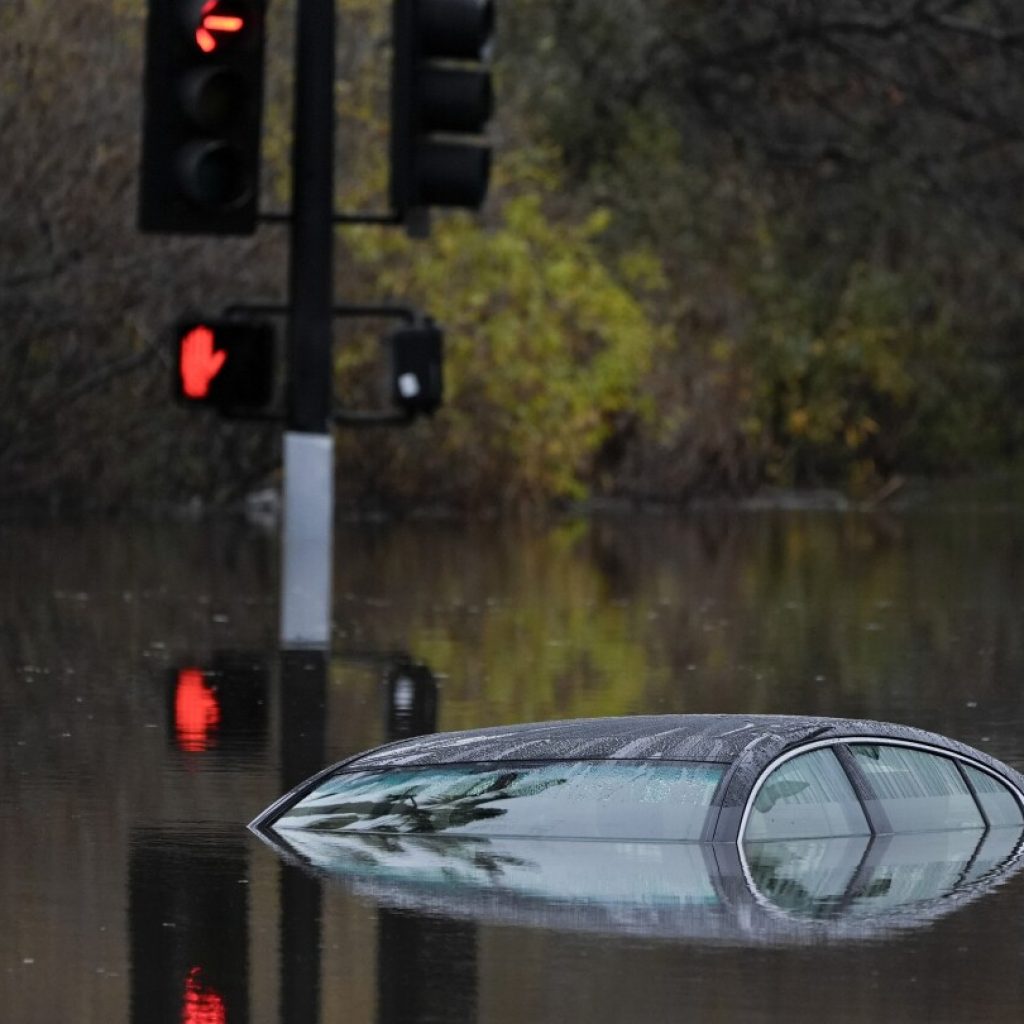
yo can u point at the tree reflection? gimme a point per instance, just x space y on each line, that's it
770 892
424 807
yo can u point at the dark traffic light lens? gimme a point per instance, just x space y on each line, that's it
451 174
459 29
454 99
213 175
214 98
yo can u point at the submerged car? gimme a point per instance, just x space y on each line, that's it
716 828
684 778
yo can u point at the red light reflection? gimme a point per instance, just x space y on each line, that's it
211 23
203 1004
196 712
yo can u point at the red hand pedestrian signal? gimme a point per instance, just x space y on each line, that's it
225 363
200 362
213 23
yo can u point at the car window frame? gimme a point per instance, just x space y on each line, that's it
858 798
877 819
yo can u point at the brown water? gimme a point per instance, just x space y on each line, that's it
146 715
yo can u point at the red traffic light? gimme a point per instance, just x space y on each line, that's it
213 23
203 102
225 363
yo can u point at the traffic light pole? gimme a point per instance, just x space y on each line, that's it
308 443
203 92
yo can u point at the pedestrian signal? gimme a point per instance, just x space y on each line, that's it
417 358
228 364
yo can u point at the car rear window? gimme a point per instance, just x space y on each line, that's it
919 791
998 803
575 799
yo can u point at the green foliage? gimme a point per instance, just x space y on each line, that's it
547 345
718 251
882 381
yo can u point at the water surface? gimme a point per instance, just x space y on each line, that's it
146 715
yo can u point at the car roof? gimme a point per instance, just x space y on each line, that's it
717 738
745 745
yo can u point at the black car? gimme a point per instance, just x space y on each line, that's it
717 828
686 778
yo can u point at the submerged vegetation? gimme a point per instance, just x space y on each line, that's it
724 247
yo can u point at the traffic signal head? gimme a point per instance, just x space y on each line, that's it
228 364
441 101
416 358
411 696
203 99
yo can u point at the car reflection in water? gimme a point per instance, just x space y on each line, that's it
714 828
773 892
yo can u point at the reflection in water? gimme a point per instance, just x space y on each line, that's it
809 876
774 892
426 969
196 711
189 922
426 966
410 699
203 1003
854 877
303 697
561 870
301 924
913 617
188 897
221 707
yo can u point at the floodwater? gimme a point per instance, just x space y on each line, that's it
146 715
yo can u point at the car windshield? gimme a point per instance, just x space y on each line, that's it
572 799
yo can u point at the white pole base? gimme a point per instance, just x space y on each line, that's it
307 540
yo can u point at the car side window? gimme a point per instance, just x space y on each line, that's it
807 797
605 799
999 804
918 791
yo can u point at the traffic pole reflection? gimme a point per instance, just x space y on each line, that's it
189 927
426 966
202 1004
303 731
